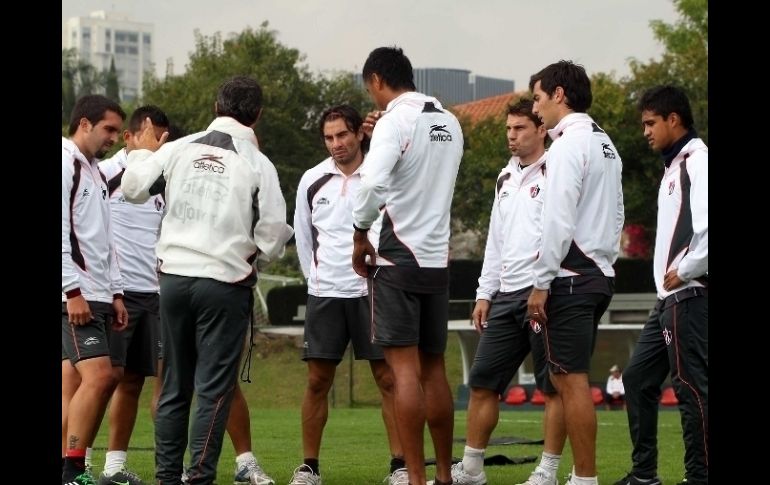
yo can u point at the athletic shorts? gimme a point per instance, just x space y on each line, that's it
81 342
504 345
570 333
137 347
402 317
330 323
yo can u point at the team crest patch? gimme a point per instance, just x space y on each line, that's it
535 326
534 190
667 336
671 187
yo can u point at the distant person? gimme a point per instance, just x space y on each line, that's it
408 180
501 302
92 288
136 228
675 337
337 307
582 221
614 393
225 215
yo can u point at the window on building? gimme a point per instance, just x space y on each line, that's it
146 38
133 50
120 49
107 33
107 46
120 36
133 38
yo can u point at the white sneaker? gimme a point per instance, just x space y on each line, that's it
398 477
461 477
250 473
540 477
303 475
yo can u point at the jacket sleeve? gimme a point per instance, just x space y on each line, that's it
696 262
70 281
384 152
562 191
142 170
116 280
303 228
489 281
271 231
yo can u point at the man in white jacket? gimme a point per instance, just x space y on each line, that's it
675 338
573 274
92 287
225 213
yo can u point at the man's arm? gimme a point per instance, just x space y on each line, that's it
70 281
303 227
489 280
271 231
696 262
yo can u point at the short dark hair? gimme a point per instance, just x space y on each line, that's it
240 97
573 80
392 66
175 132
666 99
93 107
156 115
353 121
524 108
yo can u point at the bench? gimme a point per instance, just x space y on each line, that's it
629 308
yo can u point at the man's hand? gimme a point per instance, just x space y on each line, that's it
480 314
147 139
120 322
370 121
78 311
536 305
361 248
672 281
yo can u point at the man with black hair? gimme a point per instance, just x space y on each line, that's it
408 180
675 337
225 215
573 274
92 288
337 307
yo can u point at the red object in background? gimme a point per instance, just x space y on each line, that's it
634 242
516 395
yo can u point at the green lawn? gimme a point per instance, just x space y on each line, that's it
354 449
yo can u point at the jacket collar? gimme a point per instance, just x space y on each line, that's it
671 152
228 125
566 122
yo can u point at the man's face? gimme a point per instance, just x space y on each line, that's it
524 138
343 145
657 131
545 107
101 136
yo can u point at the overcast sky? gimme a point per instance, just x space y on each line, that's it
509 39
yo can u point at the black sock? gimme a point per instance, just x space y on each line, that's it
62 464
73 466
397 462
313 464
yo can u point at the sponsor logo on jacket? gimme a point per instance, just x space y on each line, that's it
439 133
209 163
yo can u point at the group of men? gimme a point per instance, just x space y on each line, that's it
372 225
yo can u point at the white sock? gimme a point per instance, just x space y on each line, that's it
576 480
244 458
473 460
550 463
89 450
114 462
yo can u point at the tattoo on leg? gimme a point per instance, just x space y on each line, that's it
73 442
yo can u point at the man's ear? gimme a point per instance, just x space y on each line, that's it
259 115
84 124
674 119
127 135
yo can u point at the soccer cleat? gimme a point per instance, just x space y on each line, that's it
84 478
121 477
540 477
461 477
630 479
250 473
303 475
398 477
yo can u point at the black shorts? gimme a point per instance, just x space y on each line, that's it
404 317
81 342
570 332
137 347
330 323
504 345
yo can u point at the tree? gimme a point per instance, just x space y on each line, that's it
78 78
112 89
293 98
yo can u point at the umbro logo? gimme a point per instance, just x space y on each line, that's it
503 195
91 341
323 201
439 133
86 193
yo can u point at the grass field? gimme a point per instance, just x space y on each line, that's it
354 449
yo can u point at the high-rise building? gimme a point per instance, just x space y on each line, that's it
455 86
102 36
